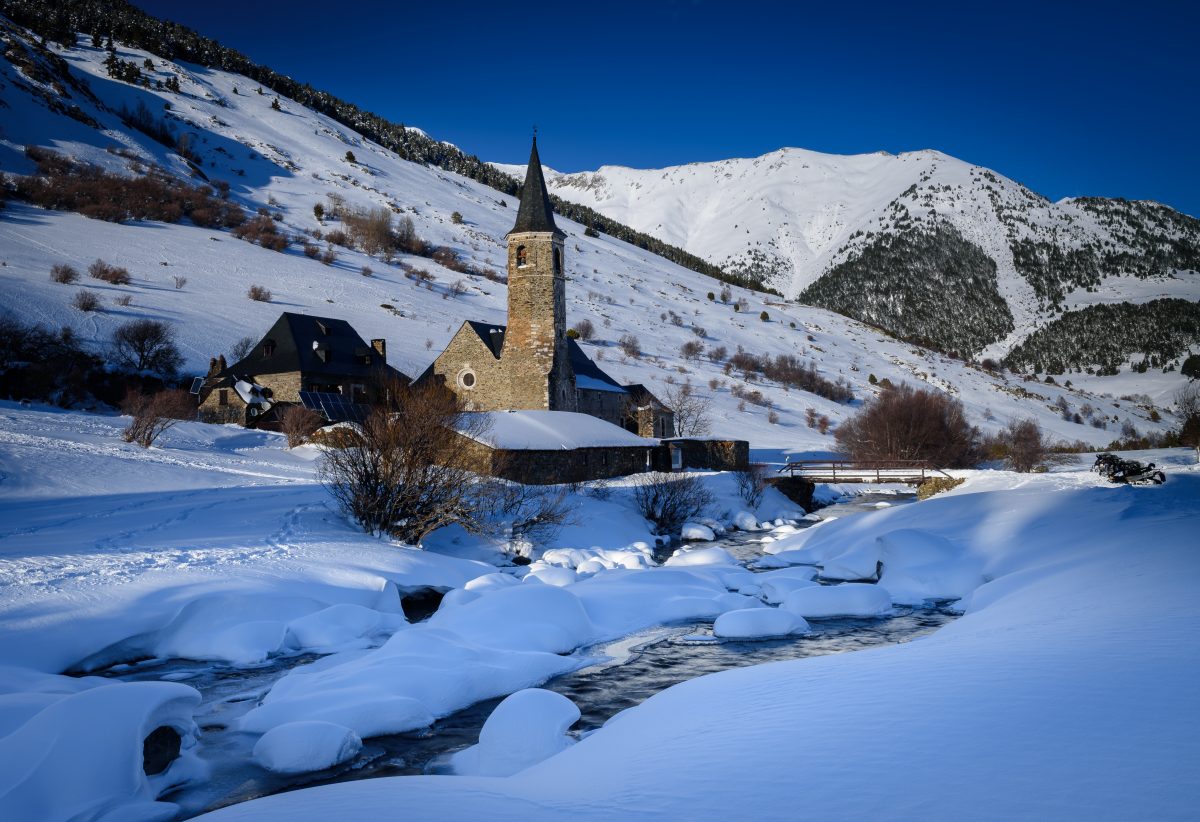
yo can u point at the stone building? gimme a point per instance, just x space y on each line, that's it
531 364
319 362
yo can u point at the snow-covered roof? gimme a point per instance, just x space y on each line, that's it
551 431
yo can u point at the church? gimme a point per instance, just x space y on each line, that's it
531 364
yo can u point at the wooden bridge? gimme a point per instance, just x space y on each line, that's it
910 472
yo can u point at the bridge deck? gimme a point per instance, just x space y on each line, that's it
910 473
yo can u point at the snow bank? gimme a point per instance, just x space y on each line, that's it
852 599
521 617
758 623
700 556
548 431
526 728
299 747
340 626
81 755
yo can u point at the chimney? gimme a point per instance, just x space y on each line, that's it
212 367
381 347
221 362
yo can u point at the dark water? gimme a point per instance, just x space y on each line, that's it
636 669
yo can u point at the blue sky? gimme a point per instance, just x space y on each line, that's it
1097 98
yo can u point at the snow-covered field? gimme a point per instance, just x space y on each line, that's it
1063 691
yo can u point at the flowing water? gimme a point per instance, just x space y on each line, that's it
630 671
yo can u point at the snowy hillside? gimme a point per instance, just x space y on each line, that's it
793 218
287 160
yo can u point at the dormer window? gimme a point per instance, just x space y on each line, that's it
268 348
522 257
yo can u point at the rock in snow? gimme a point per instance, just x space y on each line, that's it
698 532
526 728
311 745
758 623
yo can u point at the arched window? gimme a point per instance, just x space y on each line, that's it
557 261
522 257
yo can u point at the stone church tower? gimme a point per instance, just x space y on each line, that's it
535 343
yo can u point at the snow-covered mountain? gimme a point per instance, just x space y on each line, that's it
284 159
921 244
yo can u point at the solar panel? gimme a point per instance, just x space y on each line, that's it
197 382
333 407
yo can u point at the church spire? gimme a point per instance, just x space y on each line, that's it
535 213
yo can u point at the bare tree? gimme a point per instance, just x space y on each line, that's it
298 424
408 475
154 413
907 423
240 349
690 407
670 500
532 512
146 345
752 483
585 329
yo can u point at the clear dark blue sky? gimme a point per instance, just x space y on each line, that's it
1095 98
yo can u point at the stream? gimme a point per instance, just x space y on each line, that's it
617 676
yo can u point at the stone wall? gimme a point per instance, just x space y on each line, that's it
556 467
467 353
711 455
535 346
212 411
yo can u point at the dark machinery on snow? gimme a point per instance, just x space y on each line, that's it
1131 472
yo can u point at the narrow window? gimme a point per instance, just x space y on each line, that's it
223 397
268 348
557 261
522 257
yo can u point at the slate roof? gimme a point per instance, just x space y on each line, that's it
492 336
290 342
535 213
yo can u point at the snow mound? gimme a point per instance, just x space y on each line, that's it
700 556
311 745
758 623
745 521
338 625
526 728
696 531
81 757
551 575
852 599
776 589
521 617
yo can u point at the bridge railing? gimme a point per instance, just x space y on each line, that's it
907 471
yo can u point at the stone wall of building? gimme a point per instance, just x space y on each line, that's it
556 467
535 345
711 455
466 353
212 410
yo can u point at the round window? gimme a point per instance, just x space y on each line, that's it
467 379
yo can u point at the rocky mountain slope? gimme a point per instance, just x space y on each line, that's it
923 245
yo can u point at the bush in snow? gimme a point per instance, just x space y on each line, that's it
146 345
630 346
529 512
1021 444
64 274
691 350
86 301
155 413
298 424
584 330
456 218
670 500
406 477
262 231
259 294
907 423
111 274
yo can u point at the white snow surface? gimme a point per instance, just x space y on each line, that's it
307 745
547 431
1064 692
524 729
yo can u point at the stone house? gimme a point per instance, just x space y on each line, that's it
319 362
552 447
530 363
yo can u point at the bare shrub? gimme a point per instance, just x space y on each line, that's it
124 300
366 271
298 424
371 230
111 274
691 350
152 414
312 250
773 417
64 274
524 512
406 477
630 346
456 289
670 500
241 348
1024 444
179 281
752 484
584 329
262 231
146 345
717 354
907 423
86 301
259 294
329 256
691 409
